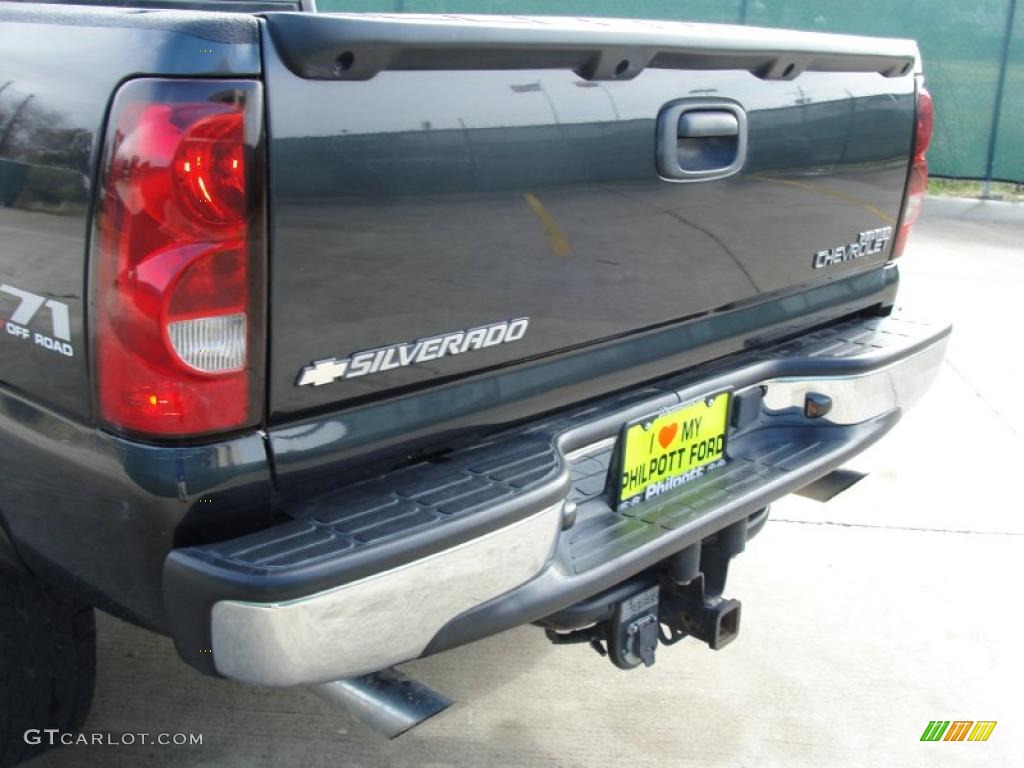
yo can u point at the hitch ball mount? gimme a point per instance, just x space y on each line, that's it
680 598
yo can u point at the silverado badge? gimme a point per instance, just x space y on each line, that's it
382 359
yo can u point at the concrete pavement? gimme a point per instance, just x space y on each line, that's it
893 604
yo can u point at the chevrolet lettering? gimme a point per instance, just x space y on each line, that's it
869 242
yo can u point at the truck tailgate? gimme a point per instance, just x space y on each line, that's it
434 175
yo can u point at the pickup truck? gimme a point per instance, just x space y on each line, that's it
331 341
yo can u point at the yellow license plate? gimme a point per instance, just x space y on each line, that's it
665 452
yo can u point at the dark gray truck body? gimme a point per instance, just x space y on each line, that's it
428 176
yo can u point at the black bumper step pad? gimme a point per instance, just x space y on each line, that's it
380 510
372 525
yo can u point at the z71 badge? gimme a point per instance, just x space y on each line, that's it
27 310
330 369
867 243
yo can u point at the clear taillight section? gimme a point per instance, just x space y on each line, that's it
211 344
917 180
177 310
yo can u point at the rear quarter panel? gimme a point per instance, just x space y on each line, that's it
59 67
90 511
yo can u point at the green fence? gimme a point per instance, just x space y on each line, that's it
973 54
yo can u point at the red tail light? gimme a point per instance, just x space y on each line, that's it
917 181
177 313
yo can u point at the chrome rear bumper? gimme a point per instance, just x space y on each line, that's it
382 619
509 532
861 397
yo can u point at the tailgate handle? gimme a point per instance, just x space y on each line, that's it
705 124
701 139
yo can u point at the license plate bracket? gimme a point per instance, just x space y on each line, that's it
667 450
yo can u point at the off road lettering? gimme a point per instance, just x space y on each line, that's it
55 337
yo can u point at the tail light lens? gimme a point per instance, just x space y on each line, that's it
917 181
178 259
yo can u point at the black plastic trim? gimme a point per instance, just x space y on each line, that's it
359 46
